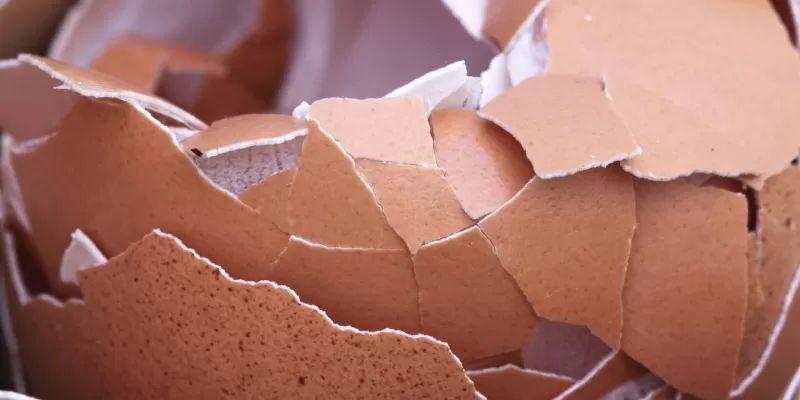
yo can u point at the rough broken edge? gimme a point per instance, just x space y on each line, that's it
151 103
791 297
68 271
437 86
591 375
24 297
272 141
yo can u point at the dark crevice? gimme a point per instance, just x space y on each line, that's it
30 268
784 11
752 209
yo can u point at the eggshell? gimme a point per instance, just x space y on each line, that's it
363 288
243 131
686 285
270 197
418 202
566 243
467 299
391 129
195 321
565 124
484 164
513 383
330 203
614 370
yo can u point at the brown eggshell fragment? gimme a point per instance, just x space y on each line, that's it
686 287
391 129
610 373
564 349
514 383
364 288
141 62
674 141
468 300
330 203
93 84
241 131
503 18
485 165
566 243
112 162
209 336
417 201
565 124
270 197
512 357
676 52
778 364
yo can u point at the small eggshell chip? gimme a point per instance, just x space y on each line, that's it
566 242
485 165
565 124
686 287
330 204
418 202
243 131
468 300
364 288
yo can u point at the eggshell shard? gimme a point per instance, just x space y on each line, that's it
580 280
364 288
504 18
28 26
690 242
5 395
565 124
418 202
200 320
696 66
243 131
610 373
674 141
514 383
330 204
779 361
468 300
484 164
80 253
112 162
564 349
436 86
270 197
142 62
495 80
390 129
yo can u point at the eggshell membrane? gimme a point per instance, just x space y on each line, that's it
512 357
468 300
564 350
695 63
566 243
503 19
686 286
81 253
674 141
779 362
240 131
364 288
565 124
391 129
5 395
418 202
514 383
778 261
270 197
664 393
112 162
330 204
485 165
141 62
610 373
195 321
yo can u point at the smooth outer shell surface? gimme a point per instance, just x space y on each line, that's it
686 286
610 373
674 50
244 130
513 383
270 197
330 204
566 243
468 300
112 162
363 288
185 319
418 202
142 62
674 141
485 165
565 124
391 129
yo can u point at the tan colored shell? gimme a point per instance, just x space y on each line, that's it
380 228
